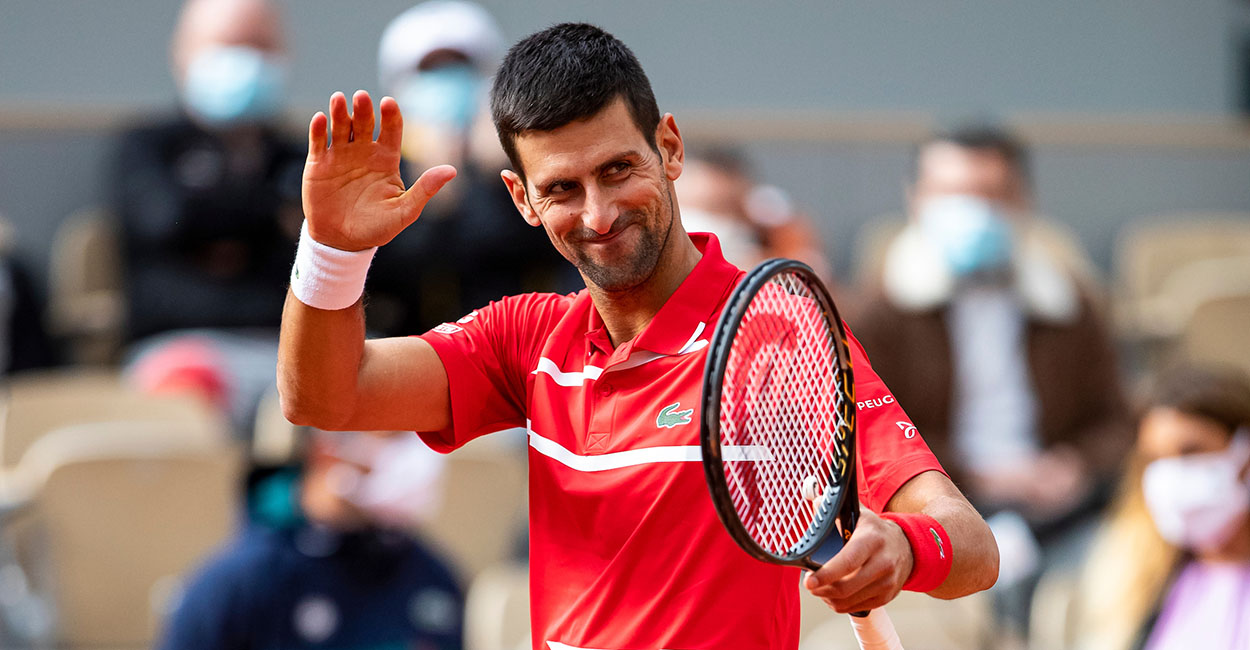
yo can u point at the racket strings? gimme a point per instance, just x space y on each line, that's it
783 391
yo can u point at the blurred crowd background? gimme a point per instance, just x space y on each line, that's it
1036 217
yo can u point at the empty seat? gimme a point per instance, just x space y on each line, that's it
86 291
1216 332
483 514
39 402
118 513
922 622
497 610
1151 249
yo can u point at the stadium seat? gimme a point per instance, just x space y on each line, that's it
922 622
1216 331
1051 612
39 402
497 609
112 516
483 514
85 287
1150 253
275 441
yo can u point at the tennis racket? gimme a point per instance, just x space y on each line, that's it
778 429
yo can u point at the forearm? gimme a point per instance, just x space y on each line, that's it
319 361
975 553
974 566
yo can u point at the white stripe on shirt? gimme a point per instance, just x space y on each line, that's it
642 456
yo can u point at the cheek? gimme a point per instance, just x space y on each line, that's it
559 225
646 195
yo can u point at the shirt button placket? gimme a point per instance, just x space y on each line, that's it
601 411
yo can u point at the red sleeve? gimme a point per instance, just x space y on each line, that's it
488 356
889 449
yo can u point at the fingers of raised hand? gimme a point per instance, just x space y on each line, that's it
340 120
317 134
353 123
427 186
362 117
391 133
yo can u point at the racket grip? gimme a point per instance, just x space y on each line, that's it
875 631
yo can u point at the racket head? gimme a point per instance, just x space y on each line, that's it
778 423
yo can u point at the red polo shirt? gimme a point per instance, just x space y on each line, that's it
625 547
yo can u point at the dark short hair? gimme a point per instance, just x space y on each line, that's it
565 73
1215 392
986 137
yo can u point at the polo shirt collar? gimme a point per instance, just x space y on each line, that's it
694 303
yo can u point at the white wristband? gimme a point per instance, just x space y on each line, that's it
328 278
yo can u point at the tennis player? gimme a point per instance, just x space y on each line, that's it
625 548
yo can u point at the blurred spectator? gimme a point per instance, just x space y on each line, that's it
994 346
208 203
325 560
754 222
24 344
436 60
1171 567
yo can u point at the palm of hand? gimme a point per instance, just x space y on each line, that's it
353 195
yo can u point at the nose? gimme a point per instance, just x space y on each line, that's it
599 211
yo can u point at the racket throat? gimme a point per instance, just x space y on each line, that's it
825 552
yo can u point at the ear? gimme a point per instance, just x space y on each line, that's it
672 149
516 189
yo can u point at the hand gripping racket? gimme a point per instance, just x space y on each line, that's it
778 430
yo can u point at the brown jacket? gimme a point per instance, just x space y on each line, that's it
1072 366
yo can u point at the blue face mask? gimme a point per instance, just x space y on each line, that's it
446 97
230 85
973 234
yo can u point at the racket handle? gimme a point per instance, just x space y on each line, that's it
875 631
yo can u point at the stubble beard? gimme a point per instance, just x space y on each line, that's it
638 267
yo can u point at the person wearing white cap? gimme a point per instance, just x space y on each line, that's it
436 60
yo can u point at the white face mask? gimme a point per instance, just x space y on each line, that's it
974 234
1199 501
402 488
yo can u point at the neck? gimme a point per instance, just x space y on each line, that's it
321 505
1235 551
626 313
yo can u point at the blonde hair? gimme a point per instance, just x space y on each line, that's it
1128 568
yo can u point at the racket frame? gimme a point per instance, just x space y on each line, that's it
846 504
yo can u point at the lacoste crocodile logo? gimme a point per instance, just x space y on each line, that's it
670 417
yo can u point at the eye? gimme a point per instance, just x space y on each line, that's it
559 188
616 170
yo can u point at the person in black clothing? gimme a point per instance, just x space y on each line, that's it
323 559
209 200
208 206
24 344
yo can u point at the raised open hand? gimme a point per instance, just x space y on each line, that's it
354 197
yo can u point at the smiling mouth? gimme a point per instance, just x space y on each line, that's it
611 236
604 239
